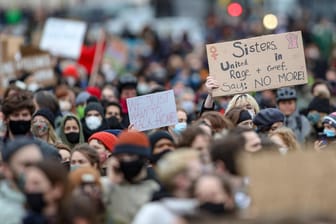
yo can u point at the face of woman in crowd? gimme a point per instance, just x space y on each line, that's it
100 148
79 160
39 126
181 116
71 126
246 124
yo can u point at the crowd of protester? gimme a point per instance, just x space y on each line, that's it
70 155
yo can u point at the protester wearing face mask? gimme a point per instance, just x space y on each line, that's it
317 109
18 110
113 115
127 189
17 156
240 117
161 143
182 118
71 132
42 126
66 99
328 137
103 142
127 88
45 188
94 119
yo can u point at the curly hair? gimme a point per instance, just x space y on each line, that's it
288 137
18 101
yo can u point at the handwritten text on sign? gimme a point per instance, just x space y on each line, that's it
259 63
152 110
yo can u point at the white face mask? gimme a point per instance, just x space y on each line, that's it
65 105
93 122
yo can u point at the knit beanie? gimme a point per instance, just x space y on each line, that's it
94 91
157 136
320 105
115 132
267 117
330 119
82 97
107 139
94 106
71 71
136 143
14 146
47 114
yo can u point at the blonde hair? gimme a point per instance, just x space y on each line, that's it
288 137
174 163
240 100
52 137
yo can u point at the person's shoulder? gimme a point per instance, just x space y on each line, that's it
151 184
153 212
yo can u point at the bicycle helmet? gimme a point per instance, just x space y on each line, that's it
286 93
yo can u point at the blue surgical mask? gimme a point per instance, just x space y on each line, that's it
329 133
74 167
188 106
179 127
314 118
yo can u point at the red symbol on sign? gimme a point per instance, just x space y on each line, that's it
213 52
292 40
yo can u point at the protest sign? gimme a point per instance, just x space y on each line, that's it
299 184
63 37
259 63
9 46
153 110
33 61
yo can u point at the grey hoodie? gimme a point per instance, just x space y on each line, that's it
11 203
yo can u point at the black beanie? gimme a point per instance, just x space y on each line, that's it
15 146
157 136
266 118
94 106
46 113
320 105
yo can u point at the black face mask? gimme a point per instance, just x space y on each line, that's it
213 208
35 201
113 123
20 127
72 137
156 157
132 169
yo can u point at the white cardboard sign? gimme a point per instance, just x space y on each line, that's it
63 37
153 110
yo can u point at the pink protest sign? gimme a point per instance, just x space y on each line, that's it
153 110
